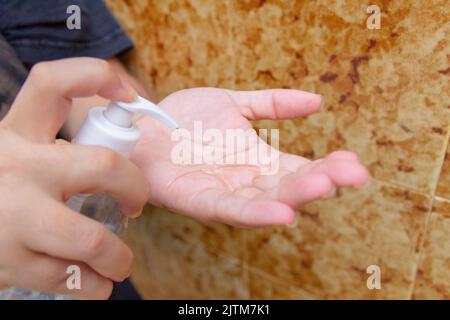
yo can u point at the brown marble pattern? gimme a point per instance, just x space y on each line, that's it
386 97
171 265
433 277
263 286
179 44
335 241
443 187
386 91
158 221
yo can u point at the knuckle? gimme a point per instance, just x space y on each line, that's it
106 160
40 74
93 240
102 66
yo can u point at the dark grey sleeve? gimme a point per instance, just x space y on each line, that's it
12 75
37 30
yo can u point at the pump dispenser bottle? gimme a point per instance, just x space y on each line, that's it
110 127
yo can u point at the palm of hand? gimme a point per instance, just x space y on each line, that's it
238 194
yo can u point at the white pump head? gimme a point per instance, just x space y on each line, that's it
112 127
121 113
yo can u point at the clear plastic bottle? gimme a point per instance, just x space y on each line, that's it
102 208
110 127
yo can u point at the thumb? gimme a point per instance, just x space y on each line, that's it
44 101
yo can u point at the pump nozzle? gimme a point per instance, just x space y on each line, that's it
121 113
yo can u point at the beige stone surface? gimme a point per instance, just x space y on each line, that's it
386 91
171 265
263 286
433 277
443 188
160 222
386 97
179 44
328 252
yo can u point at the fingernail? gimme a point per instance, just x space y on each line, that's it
129 274
129 212
137 213
322 104
294 223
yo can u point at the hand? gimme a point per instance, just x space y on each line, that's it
239 194
40 236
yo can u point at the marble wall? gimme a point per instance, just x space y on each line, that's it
386 98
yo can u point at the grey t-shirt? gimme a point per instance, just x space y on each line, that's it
33 31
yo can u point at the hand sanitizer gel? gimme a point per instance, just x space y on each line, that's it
110 127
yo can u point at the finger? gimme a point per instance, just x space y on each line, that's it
98 169
343 172
42 273
44 101
343 155
293 163
222 206
295 190
55 230
276 103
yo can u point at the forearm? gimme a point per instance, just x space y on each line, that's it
82 105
